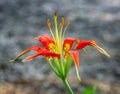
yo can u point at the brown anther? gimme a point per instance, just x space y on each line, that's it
67 23
60 26
48 24
55 14
55 18
62 20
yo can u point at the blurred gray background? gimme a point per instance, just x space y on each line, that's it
22 20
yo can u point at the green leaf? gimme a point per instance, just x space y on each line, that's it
89 90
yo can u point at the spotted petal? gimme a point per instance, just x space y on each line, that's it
45 40
68 43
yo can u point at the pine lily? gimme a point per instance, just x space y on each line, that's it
60 51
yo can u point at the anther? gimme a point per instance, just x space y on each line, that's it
60 26
48 24
55 14
62 20
67 23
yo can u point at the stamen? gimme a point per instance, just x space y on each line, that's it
55 14
49 28
60 26
67 23
48 24
62 21
55 18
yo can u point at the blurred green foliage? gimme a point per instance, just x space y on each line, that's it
89 90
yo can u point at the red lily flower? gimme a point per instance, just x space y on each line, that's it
60 48
68 43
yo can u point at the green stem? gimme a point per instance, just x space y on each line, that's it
67 86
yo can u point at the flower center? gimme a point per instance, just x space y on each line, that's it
52 47
66 47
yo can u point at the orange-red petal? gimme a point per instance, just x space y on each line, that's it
31 57
50 54
68 42
82 44
75 57
45 40
36 48
42 52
